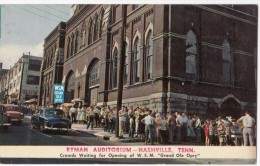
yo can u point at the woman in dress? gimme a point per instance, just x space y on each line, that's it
205 126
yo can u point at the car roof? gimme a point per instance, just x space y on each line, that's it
10 105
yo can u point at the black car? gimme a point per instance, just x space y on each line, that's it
50 119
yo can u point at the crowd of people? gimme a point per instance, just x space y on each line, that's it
172 128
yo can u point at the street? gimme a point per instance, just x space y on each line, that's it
23 135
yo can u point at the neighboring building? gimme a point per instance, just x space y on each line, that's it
52 65
21 82
2 78
187 58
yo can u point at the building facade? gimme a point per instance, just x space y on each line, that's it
21 82
52 64
187 58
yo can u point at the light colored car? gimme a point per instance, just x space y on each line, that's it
4 119
14 113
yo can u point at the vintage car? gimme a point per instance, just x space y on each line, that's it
4 119
14 113
50 119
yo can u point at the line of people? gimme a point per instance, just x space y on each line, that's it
172 128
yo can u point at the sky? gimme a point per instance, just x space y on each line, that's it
24 28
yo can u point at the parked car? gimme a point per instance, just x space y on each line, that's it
14 113
4 119
50 119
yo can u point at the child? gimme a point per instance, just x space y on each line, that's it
131 126
211 133
221 134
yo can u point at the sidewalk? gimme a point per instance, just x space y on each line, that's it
99 132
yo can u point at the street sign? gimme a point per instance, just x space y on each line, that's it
58 93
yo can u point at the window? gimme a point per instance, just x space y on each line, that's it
72 45
83 34
136 6
76 43
226 56
126 65
149 56
70 82
114 69
94 74
114 14
191 53
101 21
68 48
90 32
35 65
33 80
96 28
136 61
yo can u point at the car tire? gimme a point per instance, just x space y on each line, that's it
41 127
32 126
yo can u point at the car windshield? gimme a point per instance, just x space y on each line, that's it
54 112
12 108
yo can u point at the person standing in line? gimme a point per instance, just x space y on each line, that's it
162 126
96 115
91 117
131 126
211 133
248 128
158 118
148 121
79 111
73 113
82 118
198 128
184 127
190 130
122 121
178 127
112 120
137 113
205 126
171 123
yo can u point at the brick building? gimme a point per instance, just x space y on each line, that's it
191 58
52 65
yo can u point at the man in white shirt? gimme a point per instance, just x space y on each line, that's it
184 128
178 127
148 121
249 128
122 121
198 128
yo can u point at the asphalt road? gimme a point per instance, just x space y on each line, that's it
25 136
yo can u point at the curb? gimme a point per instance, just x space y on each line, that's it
109 138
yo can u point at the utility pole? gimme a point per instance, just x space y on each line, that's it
121 68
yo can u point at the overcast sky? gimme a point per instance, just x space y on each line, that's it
24 28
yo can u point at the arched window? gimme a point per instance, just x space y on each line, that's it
101 16
149 56
83 34
226 57
191 53
126 64
76 42
136 61
90 32
114 69
69 87
96 28
72 45
68 48
94 74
